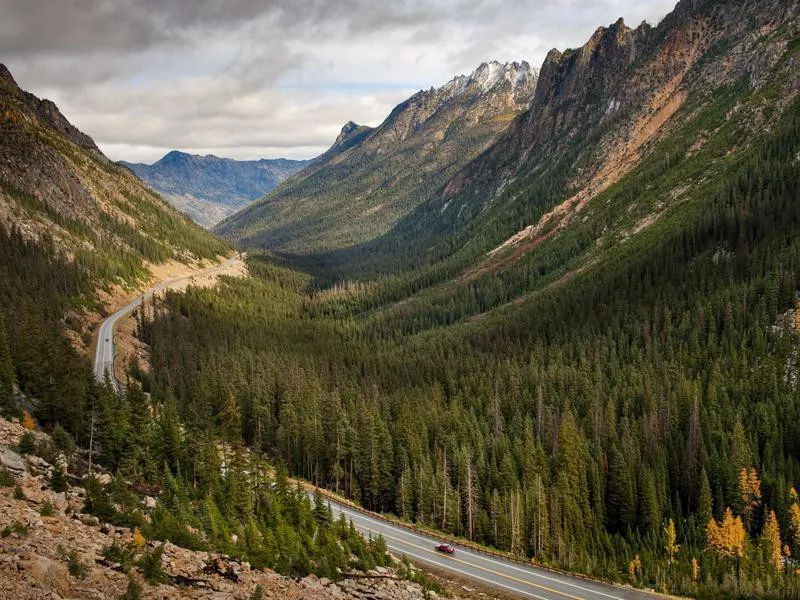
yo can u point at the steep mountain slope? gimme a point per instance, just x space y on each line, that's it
55 184
599 112
72 224
370 179
209 188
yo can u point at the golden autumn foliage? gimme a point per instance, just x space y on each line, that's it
749 490
138 538
671 547
28 422
772 532
635 567
695 570
794 522
727 537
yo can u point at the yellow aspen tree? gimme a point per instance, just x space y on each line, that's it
772 533
28 422
138 538
750 491
695 570
727 537
671 547
794 519
635 568
797 316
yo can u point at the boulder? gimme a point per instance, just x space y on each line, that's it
13 462
46 572
89 520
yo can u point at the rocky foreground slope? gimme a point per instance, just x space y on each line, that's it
50 548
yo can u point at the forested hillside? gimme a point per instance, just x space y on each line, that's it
56 185
571 428
72 224
596 369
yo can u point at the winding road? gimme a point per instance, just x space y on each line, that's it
105 353
514 578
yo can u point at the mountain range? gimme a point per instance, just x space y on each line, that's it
550 312
372 178
209 188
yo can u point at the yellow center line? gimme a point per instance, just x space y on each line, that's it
518 580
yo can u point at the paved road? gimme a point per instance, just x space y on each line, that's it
516 579
104 355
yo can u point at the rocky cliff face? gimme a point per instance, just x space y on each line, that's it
209 188
48 113
600 109
373 177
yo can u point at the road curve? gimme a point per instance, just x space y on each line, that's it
104 355
513 578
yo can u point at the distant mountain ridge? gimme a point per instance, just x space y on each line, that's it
371 178
209 188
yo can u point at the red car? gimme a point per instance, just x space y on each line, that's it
446 548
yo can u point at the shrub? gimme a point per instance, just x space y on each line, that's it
16 527
27 443
258 593
133 591
47 509
18 493
76 568
58 481
97 501
63 441
150 564
6 478
122 554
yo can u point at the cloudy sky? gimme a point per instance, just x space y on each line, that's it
269 78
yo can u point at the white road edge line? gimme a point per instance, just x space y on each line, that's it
487 559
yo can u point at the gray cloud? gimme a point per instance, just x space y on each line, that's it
249 78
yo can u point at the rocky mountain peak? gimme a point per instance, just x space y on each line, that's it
489 74
347 131
47 113
492 78
6 77
174 157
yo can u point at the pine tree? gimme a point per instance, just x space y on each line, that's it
620 501
705 504
8 406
